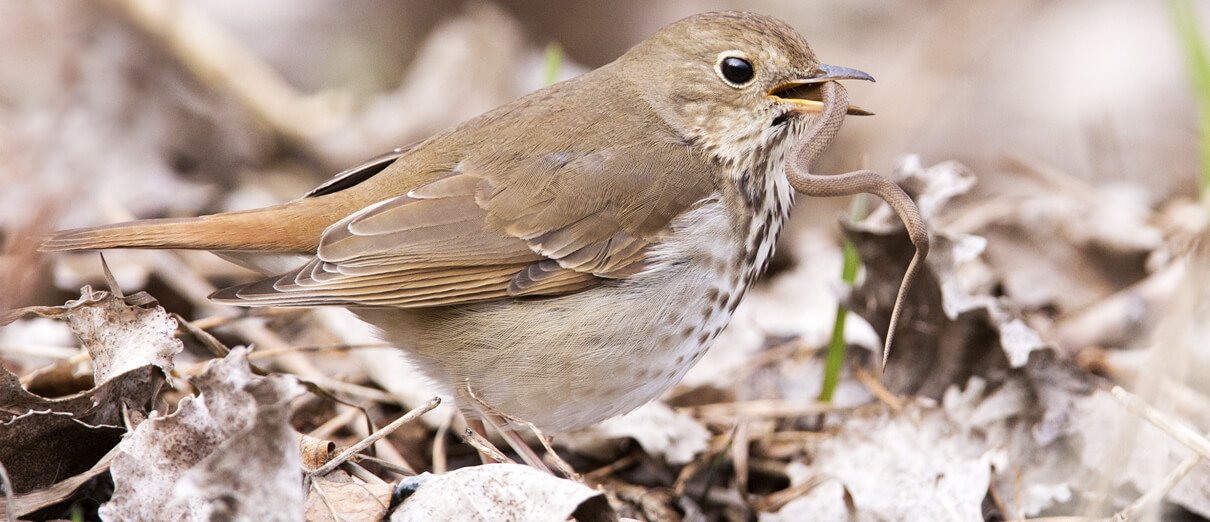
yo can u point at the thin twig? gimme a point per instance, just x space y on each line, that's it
385 464
598 474
718 445
779 499
214 321
374 437
991 491
484 446
1157 492
756 409
208 322
383 449
364 474
688 472
558 461
499 422
62 353
739 454
356 390
216 347
261 354
331 509
440 461
1164 422
329 427
878 390
772 467
1018 480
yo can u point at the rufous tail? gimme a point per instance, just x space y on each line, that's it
293 227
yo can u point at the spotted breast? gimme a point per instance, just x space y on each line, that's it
698 275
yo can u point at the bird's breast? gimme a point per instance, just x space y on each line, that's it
572 361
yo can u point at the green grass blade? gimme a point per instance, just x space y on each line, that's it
554 62
1190 36
836 347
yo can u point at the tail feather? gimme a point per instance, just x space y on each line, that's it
285 228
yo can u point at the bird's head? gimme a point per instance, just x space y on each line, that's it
733 83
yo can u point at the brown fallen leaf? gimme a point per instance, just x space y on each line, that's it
43 440
337 497
952 313
228 453
57 492
41 448
133 390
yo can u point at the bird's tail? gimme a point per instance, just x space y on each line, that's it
293 227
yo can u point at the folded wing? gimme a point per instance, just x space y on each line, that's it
495 227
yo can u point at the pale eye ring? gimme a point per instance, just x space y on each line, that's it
735 70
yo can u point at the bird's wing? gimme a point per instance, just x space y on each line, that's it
367 169
498 226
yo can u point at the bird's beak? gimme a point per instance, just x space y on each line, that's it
805 94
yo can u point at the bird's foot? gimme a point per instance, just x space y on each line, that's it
503 424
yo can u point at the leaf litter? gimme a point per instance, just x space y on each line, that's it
1041 293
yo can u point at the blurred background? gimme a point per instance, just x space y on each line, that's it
140 108
96 110
1092 87
1077 118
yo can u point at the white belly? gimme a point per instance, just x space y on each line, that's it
572 361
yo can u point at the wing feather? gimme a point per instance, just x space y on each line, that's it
499 208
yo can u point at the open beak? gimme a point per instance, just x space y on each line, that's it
805 93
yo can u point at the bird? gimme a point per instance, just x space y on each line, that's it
569 256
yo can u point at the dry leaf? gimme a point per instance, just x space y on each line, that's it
1033 422
44 440
660 430
57 492
134 390
41 448
951 313
915 464
121 336
346 500
228 453
121 333
500 492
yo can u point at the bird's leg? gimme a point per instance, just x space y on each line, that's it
558 461
514 440
499 422
798 164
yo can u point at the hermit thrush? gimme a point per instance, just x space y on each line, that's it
570 255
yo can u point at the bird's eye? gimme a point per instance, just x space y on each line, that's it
736 71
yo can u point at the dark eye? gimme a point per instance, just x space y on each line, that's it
736 71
